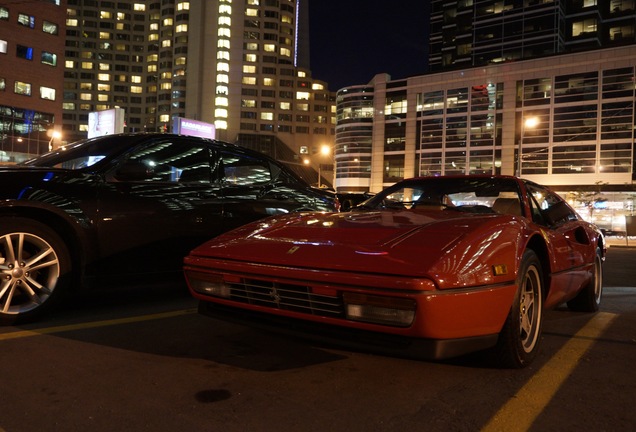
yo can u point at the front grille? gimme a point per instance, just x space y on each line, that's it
289 297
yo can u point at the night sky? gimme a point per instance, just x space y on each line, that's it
353 40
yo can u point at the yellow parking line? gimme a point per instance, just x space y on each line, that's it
522 409
87 325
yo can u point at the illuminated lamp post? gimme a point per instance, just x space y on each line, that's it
528 123
55 135
325 151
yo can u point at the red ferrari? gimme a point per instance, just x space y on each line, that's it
435 267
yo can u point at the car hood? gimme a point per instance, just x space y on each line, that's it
441 245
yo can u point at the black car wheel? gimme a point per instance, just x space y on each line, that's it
589 298
519 339
34 267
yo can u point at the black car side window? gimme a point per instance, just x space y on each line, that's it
166 162
547 207
244 170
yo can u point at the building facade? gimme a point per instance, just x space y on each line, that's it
565 121
240 65
480 32
31 78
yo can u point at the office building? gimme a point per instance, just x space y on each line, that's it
31 77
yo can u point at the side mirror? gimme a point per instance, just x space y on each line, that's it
133 171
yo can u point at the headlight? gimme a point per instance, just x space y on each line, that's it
208 284
392 311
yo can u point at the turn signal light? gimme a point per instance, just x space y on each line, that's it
208 284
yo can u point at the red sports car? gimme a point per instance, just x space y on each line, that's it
436 267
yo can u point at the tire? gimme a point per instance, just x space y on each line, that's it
35 268
589 298
520 336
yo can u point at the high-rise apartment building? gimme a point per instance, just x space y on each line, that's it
478 32
31 77
240 65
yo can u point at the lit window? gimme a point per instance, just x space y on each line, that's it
102 97
22 88
224 32
584 27
103 77
103 87
285 52
154 27
182 28
180 61
250 57
222 90
248 103
24 52
251 12
26 20
302 95
220 124
267 116
139 7
166 43
223 43
71 22
285 105
86 96
151 68
135 79
222 78
316 86
269 82
4 13
225 21
49 58
223 55
152 57
221 101
222 67
249 69
87 65
183 6
135 89
249 80
269 48
69 106
167 22
224 9
69 64
49 27
3 46
220 113
104 66
302 74
166 86
105 15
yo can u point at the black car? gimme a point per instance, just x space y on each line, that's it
129 207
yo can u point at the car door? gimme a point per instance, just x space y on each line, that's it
566 237
161 200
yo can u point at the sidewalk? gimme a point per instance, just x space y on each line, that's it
621 241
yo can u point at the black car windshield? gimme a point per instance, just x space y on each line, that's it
80 154
470 194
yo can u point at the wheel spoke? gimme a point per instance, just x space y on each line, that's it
9 248
7 292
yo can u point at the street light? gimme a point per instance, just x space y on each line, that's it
324 150
528 123
54 135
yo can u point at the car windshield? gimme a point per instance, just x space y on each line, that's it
79 155
470 194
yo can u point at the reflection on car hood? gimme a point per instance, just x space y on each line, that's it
387 242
